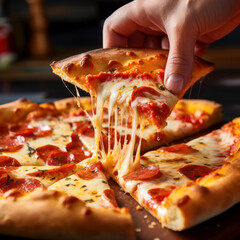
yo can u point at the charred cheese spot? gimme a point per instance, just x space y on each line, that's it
112 64
131 54
70 201
68 67
12 194
86 62
182 201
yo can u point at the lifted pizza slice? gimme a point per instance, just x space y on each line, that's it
129 84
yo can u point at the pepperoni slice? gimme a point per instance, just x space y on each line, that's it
104 76
45 151
91 171
30 131
144 92
145 100
108 197
24 185
144 173
8 161
178 148
77 149
193 172
3 130
60 158
156 195
3 172
11 143
42 131
63 171
85 128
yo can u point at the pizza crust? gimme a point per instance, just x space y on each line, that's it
71 105
194 203
76 68
53 215
16 111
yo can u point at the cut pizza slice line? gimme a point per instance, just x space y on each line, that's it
133 92
180 183
28 178
90 184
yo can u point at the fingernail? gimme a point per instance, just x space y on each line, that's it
175 83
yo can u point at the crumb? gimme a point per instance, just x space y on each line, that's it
145 216
151 225
138 207
138 229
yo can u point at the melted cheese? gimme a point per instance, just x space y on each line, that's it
23 171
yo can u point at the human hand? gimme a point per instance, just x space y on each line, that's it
185 27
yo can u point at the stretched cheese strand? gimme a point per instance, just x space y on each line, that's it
116 97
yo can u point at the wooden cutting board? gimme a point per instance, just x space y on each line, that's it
225 226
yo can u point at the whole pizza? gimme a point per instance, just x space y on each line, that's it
57 158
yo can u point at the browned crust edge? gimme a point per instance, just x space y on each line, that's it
16 111
73 69
192 204
43 215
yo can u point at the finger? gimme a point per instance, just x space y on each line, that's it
118 26
136 40
180 60
165 43
152 42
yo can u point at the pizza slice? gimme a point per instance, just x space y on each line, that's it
129 84
188 183
90 184
38 150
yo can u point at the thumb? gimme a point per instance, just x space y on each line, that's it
180 61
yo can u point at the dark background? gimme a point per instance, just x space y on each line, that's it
74 26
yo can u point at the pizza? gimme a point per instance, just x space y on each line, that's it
56 158
50 187
187 183
171 182
130 83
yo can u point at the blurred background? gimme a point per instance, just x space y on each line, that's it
33 33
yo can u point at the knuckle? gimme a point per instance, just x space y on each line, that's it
178 60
